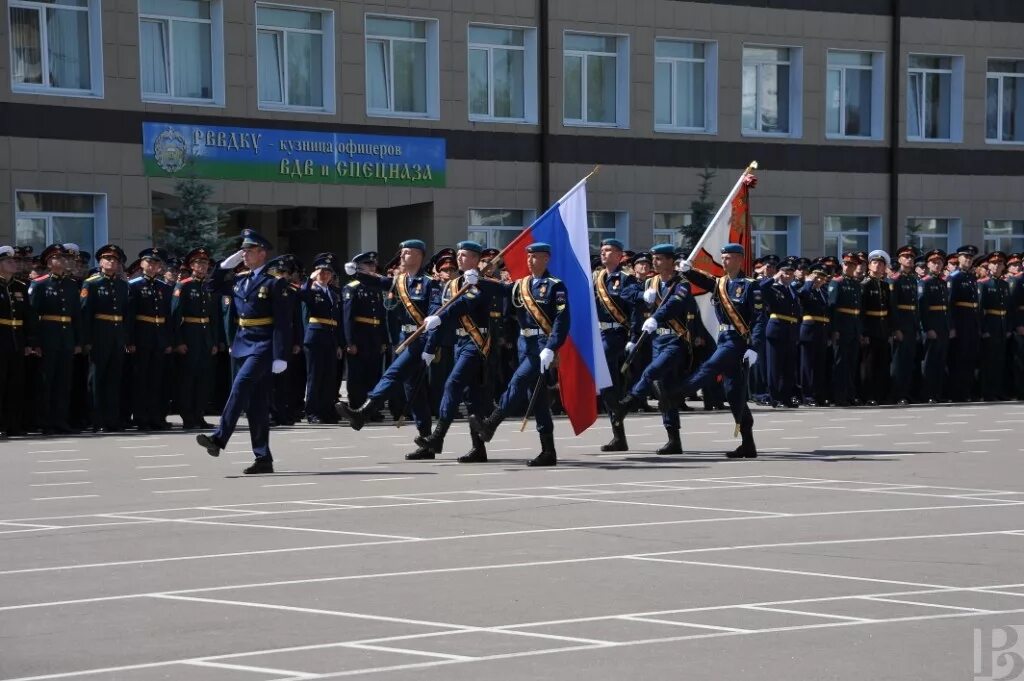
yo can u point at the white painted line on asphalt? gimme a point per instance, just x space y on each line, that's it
890 425
286 673
407 477
155 456
929 605
58 484
829 428
172 477
338 458
288 484
848 418
933 432
854 445
472 475
78 496
982 440
321 449
77 470
448 657
311 439
165 465
145 447
867 435
51 451
995 430
807 614
955 423
60 460
915 442
180 491
801 437
654 620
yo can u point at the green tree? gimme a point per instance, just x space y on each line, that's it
195 222
701 210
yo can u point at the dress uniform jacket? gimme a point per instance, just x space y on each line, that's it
105 328
616 293
904 317
195 322
993 309
55 301
17 332
933 311
965 334
877 329
149 314
844 299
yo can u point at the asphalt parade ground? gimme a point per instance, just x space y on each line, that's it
863 544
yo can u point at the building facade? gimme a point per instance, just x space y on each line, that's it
349 126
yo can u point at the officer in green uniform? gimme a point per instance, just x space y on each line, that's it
194 319
17 328
993 304
905 324
105 336
149 314
844 299
933 310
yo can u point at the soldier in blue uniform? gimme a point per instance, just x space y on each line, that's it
105 336
365 332
17 338
965 328
844 302
933 311
261 303
993 306
905 325
542 305
1016 323
282 411
815 336
759 391
149 314
782 305
195 317
670 327
616 293
324 339
55 301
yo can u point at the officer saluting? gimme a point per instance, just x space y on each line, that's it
260 302
17 330
814 335
105 335
783 334
194 319
149 313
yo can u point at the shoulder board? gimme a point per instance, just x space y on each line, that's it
136 280
243 273
984 281
750 281
352 284
95 277
554 280
293 285
185 281
839 278
42 278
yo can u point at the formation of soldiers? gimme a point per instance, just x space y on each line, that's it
124 345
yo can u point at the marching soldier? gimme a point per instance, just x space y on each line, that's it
964 332
149 314
905 324
17 336
194 319
105 336
543 310
365 333
844 301
55 300
876 307
933 310
815 336
260 349
324 339
993 303
782 305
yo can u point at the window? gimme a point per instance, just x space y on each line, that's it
934 98
401 67
55 46
596 80
502 74
685 86
845 233
606 224
497 227
295 58
44 218
1004 101
1004 235
771 90
668 228
775 235
853 91
929 233
176 48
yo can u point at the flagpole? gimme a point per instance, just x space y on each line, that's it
718 213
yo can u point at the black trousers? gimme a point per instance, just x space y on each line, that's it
876 357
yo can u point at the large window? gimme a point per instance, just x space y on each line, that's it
502 73
1004 235
295 58
771 90
929 233
668 228
497 227
595 80
606 224
43 218
176 49
1004 101
845 233
55 46
775 235
853 92
934 98
685 85
401 67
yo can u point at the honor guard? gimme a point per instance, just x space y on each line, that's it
669 326
17 338
993 304
876 306
106 336
965 330
844 302
261 346
1016 324
782 333
933 310
815 336
365 333
55 300
149 314
905 324
195 316
323 339
542 305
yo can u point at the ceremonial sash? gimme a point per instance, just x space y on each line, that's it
402 284
482 344
675 324
601 284
532 307
730 310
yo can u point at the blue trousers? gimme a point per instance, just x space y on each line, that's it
465 383
520 389
671 359
250 392
405 372
726 361
614 342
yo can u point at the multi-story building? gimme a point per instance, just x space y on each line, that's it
344 125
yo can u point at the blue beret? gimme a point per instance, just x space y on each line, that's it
414 243
472 246
663 249
614 243
250 237
368 256
539 247
734 249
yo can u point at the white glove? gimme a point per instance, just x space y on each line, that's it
426 357
279 366
471 277
650 295
231 262
432 322
750 357
351 268
650 326
685 266
547 356
629 347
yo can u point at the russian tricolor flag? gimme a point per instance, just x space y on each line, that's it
582 369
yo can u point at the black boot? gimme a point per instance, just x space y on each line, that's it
618 442
435 441
485 428
547 456
421 453
673 446
262 465
623 407
746 450
357 418
478 454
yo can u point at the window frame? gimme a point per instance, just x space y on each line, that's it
672 234
710 61
792 233
874 233
877 70
796 99
100 227
954 230
985 237
528 214
327 49
622 80
432 41
216 22
956 98
1000 77
621 227
529 50
94 12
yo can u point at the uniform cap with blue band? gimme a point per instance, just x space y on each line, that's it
253 239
